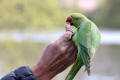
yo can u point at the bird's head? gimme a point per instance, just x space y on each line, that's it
75 19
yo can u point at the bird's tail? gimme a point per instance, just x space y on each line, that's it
75 68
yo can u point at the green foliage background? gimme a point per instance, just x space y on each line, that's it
46 14
31 14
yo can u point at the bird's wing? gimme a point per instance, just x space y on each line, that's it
85 44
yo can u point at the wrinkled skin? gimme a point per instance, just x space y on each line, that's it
57 57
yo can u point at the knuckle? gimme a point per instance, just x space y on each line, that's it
55 45
50 44
68 35
62 50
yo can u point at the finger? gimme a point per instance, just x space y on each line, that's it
75 54
71 46
67 26
72 50
67 36
72 57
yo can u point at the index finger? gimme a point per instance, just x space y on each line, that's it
66 36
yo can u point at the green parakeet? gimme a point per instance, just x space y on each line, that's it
87 39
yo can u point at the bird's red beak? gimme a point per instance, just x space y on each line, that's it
69 19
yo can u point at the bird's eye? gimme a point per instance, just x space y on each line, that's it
77 18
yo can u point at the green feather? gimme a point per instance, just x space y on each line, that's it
87 39
75 68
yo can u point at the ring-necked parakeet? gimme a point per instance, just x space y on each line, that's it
87 39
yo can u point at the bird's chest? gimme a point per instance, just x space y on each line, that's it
75 39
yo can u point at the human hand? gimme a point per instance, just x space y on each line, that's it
56 58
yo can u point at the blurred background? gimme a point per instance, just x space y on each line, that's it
28 26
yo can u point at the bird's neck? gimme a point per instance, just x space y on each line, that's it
82 23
